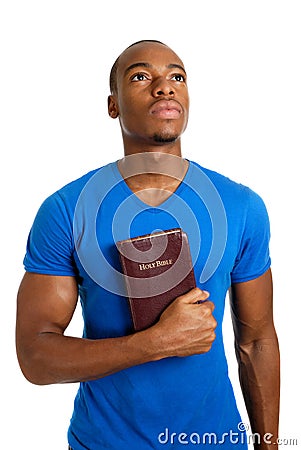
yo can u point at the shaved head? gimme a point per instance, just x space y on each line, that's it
113 73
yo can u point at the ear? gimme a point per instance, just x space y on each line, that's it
112 107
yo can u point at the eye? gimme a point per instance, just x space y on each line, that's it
178 77
139 77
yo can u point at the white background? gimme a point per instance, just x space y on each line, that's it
243 61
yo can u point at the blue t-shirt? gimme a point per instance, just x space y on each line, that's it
175 401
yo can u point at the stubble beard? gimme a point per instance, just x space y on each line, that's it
164 139
166 135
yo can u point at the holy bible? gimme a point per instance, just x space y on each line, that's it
157 269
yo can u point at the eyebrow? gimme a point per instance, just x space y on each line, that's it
176 66
149 66
137 64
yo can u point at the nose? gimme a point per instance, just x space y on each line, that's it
162 87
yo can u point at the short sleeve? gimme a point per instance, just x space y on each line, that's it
50 245
253 258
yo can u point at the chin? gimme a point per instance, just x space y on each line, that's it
165 139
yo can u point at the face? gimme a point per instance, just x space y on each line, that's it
152 99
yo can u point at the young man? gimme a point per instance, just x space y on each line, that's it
167 385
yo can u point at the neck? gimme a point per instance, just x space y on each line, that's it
153 177
153 168
153 172
141 144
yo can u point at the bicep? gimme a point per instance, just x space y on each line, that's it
252 309
45 303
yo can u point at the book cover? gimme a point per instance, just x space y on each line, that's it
157 269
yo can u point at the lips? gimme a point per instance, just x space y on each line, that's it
166 109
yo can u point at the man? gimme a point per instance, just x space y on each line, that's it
168 384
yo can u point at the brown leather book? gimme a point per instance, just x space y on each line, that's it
157 269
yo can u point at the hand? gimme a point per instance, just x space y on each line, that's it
187 327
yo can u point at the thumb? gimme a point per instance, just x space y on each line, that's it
194 296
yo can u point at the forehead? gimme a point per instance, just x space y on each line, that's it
157 55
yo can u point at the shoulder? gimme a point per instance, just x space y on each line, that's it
67 196
232 193
219 180
75 187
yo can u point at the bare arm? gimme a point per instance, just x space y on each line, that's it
258 354
46 305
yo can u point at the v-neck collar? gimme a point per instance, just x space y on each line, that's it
143 204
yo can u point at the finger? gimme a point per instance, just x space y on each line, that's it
207 305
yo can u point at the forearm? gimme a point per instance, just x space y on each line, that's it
47 356
55 358
260 382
